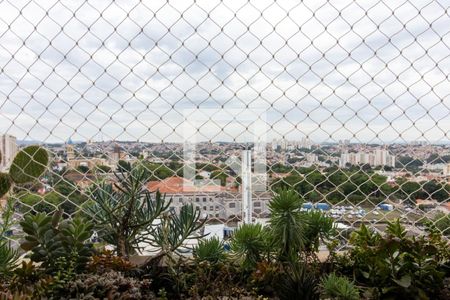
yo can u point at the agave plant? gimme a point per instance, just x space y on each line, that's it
339 288
286 223
318 228
249 243
124 212
298 282
209 250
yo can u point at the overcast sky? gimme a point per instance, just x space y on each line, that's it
362 70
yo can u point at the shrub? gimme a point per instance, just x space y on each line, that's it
397 265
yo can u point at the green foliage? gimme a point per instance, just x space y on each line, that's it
158 171
298 282
124 214
339 288
397 265
249 243
83 169
8 256
219 175
319 227
209 250
57 244
5 184
442 223
48 203
29 164
286 223
8 259
175 229
103 169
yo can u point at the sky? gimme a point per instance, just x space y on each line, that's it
367 71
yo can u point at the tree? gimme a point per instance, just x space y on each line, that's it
103 169
83 169
219 175
442 222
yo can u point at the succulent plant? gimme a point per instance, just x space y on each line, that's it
28 165
49 238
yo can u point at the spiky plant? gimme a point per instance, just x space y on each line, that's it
249 243
286 223
209 250
124 212
298 282
8 258
339 288
319 227
175 229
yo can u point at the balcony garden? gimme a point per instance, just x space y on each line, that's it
58 258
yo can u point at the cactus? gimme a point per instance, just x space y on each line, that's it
5 183
29 164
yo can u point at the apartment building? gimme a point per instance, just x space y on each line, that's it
214 201
8 150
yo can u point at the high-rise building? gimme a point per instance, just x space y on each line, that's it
8 150
379 157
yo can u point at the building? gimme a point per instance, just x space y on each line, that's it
446 170
74 161
283 144
214 201
8 150
378 157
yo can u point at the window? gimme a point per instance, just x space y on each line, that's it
257 204
197 199
232 205
257 210
204 199
211 208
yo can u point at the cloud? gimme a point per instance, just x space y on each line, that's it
128 69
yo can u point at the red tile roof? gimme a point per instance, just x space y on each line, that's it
177 185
